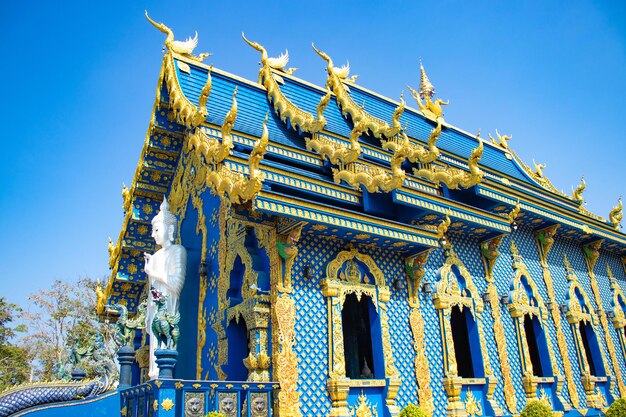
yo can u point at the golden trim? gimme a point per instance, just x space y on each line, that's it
283 107
455 178
336 79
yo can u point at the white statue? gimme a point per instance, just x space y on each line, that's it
166 272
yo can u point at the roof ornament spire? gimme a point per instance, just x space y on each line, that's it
426 87
431 109
184 48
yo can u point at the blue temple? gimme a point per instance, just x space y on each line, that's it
371 255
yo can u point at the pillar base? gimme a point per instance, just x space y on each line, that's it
166 361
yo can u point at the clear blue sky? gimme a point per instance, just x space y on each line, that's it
79 82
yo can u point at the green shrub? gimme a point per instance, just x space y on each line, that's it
617 409
215 414
536 409
411 410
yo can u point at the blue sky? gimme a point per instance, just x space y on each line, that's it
80 77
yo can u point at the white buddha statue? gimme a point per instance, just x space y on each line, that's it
166 272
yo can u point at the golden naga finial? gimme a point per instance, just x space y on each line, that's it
184 48
616 214
125 198
284 108
577 194
212 149
431 109
503 140
455 178
442 228
100 297
515 212
237 186
204 94
113 252
278 63
539 169
376 179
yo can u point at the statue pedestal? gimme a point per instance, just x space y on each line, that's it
166 361
126 358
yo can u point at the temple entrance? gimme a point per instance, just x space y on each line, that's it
535 337
357 337
238 350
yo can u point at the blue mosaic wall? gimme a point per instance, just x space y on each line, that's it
311 324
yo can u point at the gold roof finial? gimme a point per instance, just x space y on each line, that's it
616 214
426 88
184 48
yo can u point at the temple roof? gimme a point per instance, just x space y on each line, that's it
350 179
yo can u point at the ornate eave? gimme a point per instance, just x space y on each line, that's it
175 115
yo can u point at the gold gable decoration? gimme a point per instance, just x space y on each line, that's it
350 254
335 81
284 107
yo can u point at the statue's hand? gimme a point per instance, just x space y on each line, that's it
146 257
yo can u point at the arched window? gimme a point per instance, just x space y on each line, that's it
529 314
466 341
359 344
358 317
466 361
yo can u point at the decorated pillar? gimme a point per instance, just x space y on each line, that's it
592 253
283 313
415 267
545 240
489 250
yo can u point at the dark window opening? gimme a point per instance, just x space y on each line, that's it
357 338
238 349
533 346
462 349
236 282
585 340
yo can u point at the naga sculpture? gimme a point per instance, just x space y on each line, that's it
514 213
431 109
577 194
442 228
418 154
125 326
378 127
502 141
236 185
539 170
455 178
337 152
212 150
184 48
375 179
126 197
22 397
284 107
616 214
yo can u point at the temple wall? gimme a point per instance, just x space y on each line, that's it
312 324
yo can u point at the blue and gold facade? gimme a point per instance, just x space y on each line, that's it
479 285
